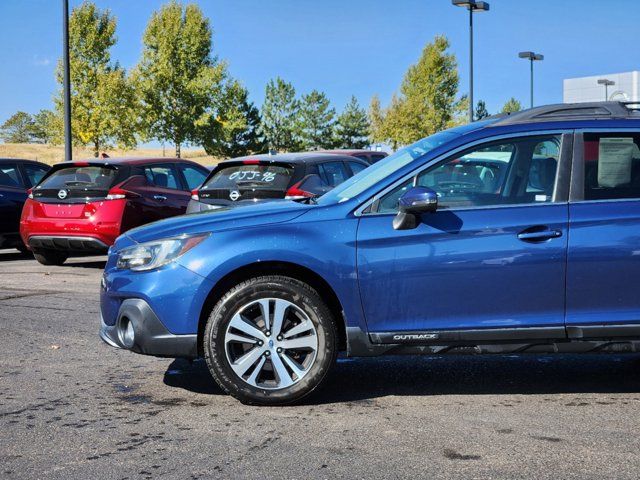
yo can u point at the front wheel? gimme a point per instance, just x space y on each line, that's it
270 341
47 257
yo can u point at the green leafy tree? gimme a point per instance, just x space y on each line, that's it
315 121
279 114
178 80
481 110
235 130
376 121
18 128
352 127
427 100
46 127
102 103
511 106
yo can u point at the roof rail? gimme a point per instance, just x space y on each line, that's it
573 111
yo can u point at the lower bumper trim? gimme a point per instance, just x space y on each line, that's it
76 244
150 336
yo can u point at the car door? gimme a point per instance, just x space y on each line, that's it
491 258
604 235
164 192
12 197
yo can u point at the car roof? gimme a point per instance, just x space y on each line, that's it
292 158
125 161
22 160
353 151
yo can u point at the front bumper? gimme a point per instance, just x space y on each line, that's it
138 329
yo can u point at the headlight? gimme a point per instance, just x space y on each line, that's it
151 255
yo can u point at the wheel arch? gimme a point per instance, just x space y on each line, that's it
286 269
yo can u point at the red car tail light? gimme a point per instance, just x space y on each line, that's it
296 193
195 195
117 193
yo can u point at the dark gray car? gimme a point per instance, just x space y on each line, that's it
295 176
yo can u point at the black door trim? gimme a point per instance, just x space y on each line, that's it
490 335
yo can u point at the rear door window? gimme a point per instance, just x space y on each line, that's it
34 173
356 167
78 182
376 158
193 176
611 166
9 176
163 176
332 173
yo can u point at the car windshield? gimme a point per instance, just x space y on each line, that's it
385 167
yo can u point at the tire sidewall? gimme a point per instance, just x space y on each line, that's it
284 288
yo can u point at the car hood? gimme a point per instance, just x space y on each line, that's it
238 216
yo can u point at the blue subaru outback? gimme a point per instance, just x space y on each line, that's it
516 234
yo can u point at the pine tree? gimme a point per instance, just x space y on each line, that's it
481 110
352 127
279 113
234 131
511 106
315 121
178 79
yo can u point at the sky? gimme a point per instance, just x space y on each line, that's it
347 47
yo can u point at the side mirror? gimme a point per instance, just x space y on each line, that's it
412 204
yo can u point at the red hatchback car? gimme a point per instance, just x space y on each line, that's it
79 208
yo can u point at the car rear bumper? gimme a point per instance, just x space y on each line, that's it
68 243
138 329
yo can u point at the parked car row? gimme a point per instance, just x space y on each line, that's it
80 208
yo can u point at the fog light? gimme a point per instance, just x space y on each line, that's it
126 332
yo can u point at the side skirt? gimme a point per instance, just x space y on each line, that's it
496 341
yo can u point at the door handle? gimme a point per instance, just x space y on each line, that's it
538 234
160 198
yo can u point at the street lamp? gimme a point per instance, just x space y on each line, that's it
472 6
68 154
607 83
532 58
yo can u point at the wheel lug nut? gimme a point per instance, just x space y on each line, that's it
268 333
267 353
260 343
279 338
279 350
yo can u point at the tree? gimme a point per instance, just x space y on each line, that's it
376 121
17 129
511 106
101 97
315 121
279 114
234 130
178 79
481 110
427 101
46 127
352 127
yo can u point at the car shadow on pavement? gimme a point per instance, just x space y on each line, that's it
369 378
12 256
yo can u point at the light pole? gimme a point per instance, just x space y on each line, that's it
607 83
68 154
472 6
532 57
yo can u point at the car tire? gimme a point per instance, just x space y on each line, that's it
305 319
50 257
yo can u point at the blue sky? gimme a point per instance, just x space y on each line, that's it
346 47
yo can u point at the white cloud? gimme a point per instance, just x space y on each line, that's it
39 61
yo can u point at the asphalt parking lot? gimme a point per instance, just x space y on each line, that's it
72 407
